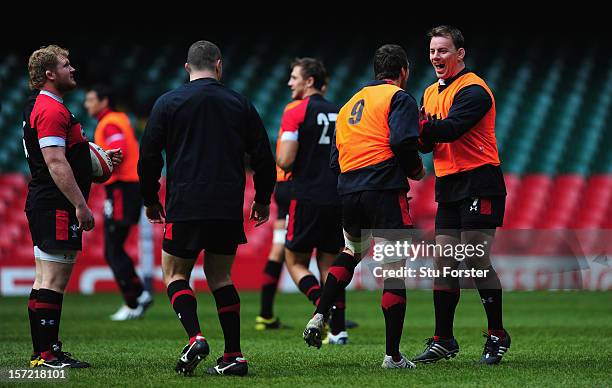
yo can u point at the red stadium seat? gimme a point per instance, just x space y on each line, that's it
24 253
15 180
607 222
534 201
531 198
563 198
594 203
7 194
423 206
513 183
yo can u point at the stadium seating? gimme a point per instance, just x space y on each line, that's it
544 124
552 124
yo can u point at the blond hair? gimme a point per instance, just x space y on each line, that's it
41 60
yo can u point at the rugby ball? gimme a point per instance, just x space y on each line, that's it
101 163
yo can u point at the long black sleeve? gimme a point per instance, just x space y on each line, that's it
333 156
469 107
151 162
262 160
424 147
404 132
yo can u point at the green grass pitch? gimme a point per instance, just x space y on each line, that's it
558 339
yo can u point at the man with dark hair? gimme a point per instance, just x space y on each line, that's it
314 213
205 129
57 152
307 68
387 60
203 55
123 203
374 151
458 124
448 32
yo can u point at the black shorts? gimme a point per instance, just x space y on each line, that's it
314 226
55 230
187 239
471 214
282 197
123 203
384 213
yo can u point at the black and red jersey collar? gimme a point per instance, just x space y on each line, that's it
315 95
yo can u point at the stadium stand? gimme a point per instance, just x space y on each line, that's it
552 131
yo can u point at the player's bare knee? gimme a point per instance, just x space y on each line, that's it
172 277
297 270
216 276
299 260
172 273
55 281
175 268
54 274
217 281
37 280
277 253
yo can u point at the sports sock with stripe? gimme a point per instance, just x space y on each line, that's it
446 294
337 322
309 285
228 308
339 277
48 313
271 274
490 292
393 305
185 305
33 321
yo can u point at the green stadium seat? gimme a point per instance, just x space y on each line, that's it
550 119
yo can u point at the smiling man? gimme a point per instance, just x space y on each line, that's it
458 124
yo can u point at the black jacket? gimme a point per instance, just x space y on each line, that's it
205 129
